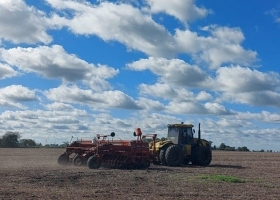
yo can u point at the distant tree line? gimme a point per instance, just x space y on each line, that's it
225 147
13 140
229 148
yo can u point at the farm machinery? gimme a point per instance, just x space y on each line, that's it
77 152
181 147
124 154
102 151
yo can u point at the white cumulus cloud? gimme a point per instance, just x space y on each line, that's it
184 10
32 23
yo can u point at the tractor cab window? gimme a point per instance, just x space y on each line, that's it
186 135
173 134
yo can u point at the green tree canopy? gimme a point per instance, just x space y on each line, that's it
10 139
222 146
27 143
243 149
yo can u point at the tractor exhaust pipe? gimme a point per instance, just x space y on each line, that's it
199 135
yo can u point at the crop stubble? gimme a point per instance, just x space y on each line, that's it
34 174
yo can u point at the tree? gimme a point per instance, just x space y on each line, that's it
27 143
244 148
228 148
64 144
222 146
10 140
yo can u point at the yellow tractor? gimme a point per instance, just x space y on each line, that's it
181 147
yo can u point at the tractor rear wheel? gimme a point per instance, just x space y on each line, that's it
194 162
174 156
78 160
186 161
93 163
202 156
63 159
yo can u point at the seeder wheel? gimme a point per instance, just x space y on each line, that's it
63 159
93 163
78 160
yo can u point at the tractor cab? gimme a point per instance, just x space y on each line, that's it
181 134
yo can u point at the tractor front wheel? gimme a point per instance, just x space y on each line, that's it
162 152
174 156
63 159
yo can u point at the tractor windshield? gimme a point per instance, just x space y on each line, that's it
187 135
173 134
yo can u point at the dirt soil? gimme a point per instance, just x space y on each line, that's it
35 174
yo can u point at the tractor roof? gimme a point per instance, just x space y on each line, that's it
180 125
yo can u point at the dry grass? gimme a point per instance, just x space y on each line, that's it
34 174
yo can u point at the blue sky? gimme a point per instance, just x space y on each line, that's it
80 68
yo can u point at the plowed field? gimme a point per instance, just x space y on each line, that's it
35 174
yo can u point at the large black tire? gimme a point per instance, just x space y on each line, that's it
63 159
78 160
174 156
162 152
186 161
202 156
194 161
93 163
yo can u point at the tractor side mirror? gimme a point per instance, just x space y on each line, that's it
193 131
134 134
113 134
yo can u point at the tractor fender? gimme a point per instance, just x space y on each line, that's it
163 144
